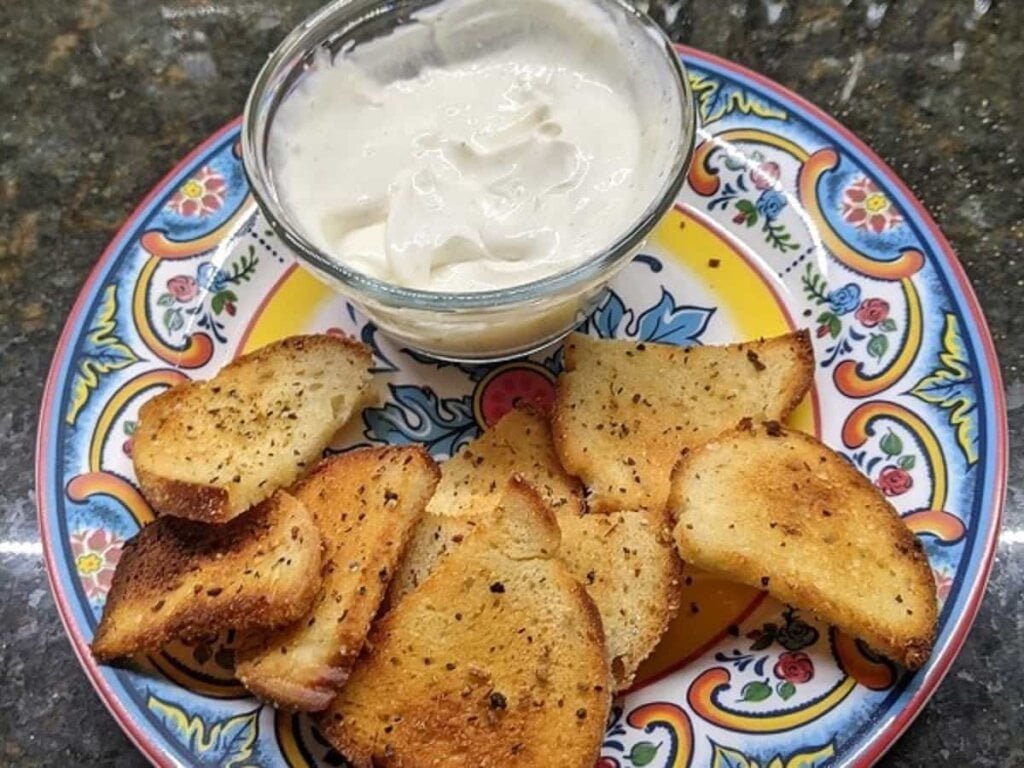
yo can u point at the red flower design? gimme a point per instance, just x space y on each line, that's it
894 481
606 762
865 206
183 288
795 666
511 386
765 175
872 311
96 553
201 195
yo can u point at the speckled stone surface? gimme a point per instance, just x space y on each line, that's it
99 98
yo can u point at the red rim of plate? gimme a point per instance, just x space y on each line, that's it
880 741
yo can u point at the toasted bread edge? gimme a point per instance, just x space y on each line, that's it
362 757
293 695
104 649
180 498
209 503
915 651
599 504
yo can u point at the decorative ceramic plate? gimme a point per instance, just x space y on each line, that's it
787 221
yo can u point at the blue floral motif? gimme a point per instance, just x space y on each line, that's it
670 323
607 318
846 299
418 415
770 204
665 322
211 278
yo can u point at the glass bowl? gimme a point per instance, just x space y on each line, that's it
477 326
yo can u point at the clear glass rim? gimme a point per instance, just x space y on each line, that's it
316 29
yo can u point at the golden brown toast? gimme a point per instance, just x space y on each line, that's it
520 443
209 450
474 481
626 411
627 561
628 564
431 540
182 579
496 659
365 504
776 509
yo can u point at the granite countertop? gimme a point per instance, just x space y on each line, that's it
100 98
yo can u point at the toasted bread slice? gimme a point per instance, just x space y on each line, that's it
519 444
626 561
432 539
209 450
496 659
776 509
474 481
628 564
625 411
182 579
365 503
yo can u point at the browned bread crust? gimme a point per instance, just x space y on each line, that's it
181 579
775 509
628 564
433 538
625 411
497 659
365 503
209 450
626 561
519 444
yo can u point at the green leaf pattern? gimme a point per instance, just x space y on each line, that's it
878 345
716 99
225 743
951 387
891 444
103 353
786 690
221 299
643 753
758 690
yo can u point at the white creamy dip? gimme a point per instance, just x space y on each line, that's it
484 145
